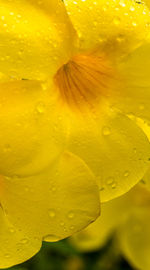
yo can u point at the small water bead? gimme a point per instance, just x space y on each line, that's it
7 255
7 148
113 186
24 241
110 181
116 21
102 188
53 188
71 215
26 189
12 230
51 238
106 131
40 107
141 107
62 224
126 174
65 229
52 213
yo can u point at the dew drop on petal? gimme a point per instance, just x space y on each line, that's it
52 213
51 238
106 131
71 215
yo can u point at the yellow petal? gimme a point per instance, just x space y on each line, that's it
133 96
35 39
15 247
117 26
32 134
115 149
54 204
145 181
97 234
134 238
113 214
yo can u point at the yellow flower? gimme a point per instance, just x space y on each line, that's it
71 74
127 220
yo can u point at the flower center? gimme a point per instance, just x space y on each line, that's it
84 80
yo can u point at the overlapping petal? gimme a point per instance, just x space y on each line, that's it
134 238
96 235
53 204
16 247
32 35
127 219
114 148
117 26
32 133
133 95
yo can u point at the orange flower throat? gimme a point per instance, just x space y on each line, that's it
84 80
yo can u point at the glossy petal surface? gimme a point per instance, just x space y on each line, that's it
118 26
54 204
133 95
16 247
32 35
134 238
32 134
114 148
97 234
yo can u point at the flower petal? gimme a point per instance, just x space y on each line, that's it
134 238
119 26
145 181
54 204
32 133
114 148
35 39
133 95
15 245
98 233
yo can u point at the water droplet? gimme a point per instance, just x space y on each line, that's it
11 230
134 23
126 174
51 213
71 215
116 21
101 188
141 107
106 131
113 185
40 107
51 238
7 148
53 188
7 255
110 181
24 241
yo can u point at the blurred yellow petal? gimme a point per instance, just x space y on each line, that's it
117 26
133 95
134 238
55 203
35 39
115 149
15 247
32 133
97 234
114 215
145 125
